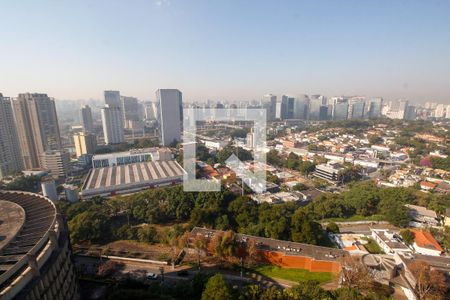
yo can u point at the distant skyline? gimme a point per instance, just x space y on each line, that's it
226 50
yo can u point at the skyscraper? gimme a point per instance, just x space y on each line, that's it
131 111
287 107
375 106
170 108
340 108
356 107
112 122
37 127
269 102
317 108
301 103
112 98
10 158
86 118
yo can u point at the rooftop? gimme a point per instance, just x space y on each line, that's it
424 239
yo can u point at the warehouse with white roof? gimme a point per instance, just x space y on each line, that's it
125 179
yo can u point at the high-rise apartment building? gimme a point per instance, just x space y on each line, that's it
112 121
170 109
112 98
57 162
10 154
37 127
85 143
86 118
269 102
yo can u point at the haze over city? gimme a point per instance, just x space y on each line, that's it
227 50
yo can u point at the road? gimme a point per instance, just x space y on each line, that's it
138 270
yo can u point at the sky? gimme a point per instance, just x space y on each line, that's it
226 50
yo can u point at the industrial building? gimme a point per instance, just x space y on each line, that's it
129 157
35 261
130 178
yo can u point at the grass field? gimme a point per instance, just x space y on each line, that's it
296 275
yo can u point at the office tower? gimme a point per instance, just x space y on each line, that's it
317 108
112 125
356 107
37 127
269 102
85 143
170 109
150 110
10 155
131 111
301 103
410 113
287 107
86 118
375 106
340 108
57 162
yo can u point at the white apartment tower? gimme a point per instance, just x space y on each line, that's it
170 110
112 122
10 158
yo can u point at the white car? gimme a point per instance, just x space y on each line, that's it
151 276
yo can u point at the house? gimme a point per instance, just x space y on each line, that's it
424 243
427 186
422 216
443 188
389 241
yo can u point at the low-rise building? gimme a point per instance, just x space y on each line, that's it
389 241
422 215
129 157
328 172
424 243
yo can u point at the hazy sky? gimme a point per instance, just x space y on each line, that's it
231 50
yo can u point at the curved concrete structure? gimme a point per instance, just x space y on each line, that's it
35 256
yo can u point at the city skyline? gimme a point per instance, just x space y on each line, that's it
228 50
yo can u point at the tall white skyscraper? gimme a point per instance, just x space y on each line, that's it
112 125
170 108
10 155
86 118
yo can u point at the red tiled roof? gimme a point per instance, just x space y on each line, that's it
428 184
424 239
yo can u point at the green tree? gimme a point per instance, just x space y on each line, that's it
217 289
407 236
147 234
305 230
89 226
332 227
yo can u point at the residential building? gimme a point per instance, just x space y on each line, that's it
170 115
57 162
112 121
131 111
37 127
112 98
389 241
422 216
424 243
10 153
86 118
85 143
